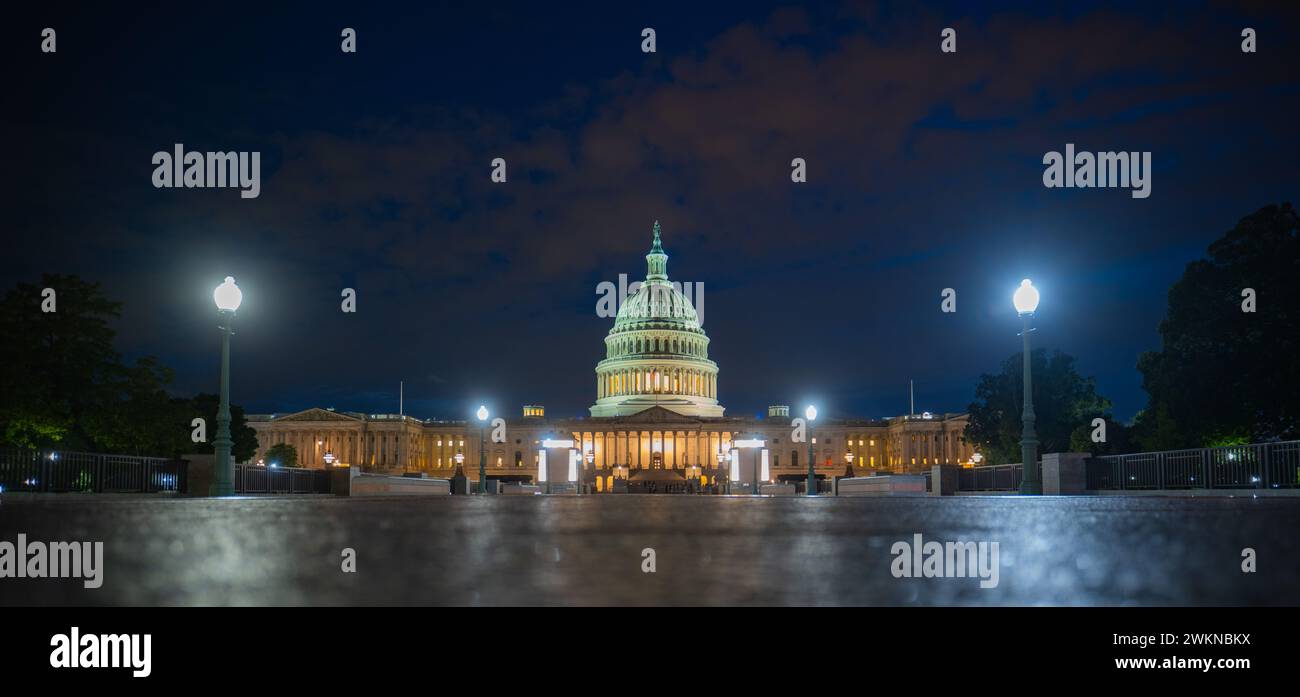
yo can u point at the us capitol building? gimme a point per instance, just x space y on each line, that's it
656 421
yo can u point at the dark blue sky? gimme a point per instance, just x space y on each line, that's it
924 173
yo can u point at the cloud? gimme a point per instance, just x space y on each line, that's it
909 150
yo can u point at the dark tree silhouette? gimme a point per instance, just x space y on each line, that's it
1223 374
1063 401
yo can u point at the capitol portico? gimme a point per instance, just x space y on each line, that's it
656 421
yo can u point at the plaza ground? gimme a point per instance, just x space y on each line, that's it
563 550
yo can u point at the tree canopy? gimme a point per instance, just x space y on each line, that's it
1225 374
64 385
282 455
1063 402
59 367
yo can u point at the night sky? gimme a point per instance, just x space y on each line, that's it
924 172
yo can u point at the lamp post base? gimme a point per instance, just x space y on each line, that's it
221 490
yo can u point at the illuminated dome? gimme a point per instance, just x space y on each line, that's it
656 354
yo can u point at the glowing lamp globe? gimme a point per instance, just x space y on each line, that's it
1025 298
227 295
811 413
482 413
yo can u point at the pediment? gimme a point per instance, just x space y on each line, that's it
318 414
655 415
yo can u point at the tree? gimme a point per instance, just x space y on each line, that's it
1118 441
1063 401
282 454
1224 374
140 418
205 406
57 365
63 384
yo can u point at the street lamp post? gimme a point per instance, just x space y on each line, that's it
1026 301
227 296
591 459
482 449
726 475
811 488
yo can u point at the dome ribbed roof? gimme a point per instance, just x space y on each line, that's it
657 303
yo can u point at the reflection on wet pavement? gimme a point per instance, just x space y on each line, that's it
707 550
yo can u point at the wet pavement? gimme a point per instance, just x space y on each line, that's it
495 550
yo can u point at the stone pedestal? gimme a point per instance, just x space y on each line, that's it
515 489
749 469
200 473
557 470
341 480
893 485
943 480
459 483
1065 473
387 485
782 489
